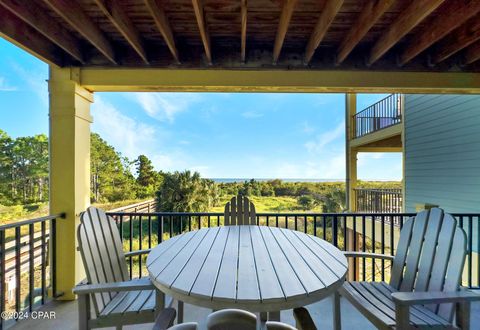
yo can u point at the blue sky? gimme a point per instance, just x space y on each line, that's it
221 135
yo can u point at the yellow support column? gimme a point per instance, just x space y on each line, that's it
69 170
402 105
351 153
351 180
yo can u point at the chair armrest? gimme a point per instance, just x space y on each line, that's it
435 297
165 319
355 254
137 253
136 284
303 319
273 325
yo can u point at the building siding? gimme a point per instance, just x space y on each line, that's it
442 152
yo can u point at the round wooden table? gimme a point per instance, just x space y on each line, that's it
256 268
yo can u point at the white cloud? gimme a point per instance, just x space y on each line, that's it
321 141
133 138
5 87
307 128
173 161
36 81
204 170
379 166
164 106
123 132
365 157
252 114
332 167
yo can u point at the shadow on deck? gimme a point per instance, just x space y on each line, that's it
67 317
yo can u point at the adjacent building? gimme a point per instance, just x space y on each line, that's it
439 138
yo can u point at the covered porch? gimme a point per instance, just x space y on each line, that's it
183 46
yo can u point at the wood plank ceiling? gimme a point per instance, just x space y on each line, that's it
410 35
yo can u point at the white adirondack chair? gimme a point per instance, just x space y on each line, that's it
240 211
232 319
117 299
183 326
424 288
424 291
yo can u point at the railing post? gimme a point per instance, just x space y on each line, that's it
352 247
18 274
2 275
335 231
53 249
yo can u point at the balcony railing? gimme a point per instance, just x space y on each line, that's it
27 268
380 115
372 232
378 200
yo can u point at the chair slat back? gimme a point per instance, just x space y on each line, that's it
240 211
102 252
430 256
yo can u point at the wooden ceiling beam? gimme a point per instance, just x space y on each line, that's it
326 18
416 12
370 14
73 13
473 53
26 37
459 39
117 16
202 26
452 16
244 11
36 17
163 25
285 17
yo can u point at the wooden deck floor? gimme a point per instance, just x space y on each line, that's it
66 317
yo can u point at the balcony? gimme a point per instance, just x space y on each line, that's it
378 126
380 115
33 284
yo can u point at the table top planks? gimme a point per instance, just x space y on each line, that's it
256 268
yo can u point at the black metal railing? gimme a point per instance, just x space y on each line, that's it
378 200
370 232
27 266
383 114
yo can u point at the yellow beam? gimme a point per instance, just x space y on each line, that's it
382 134
69 170
249 80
